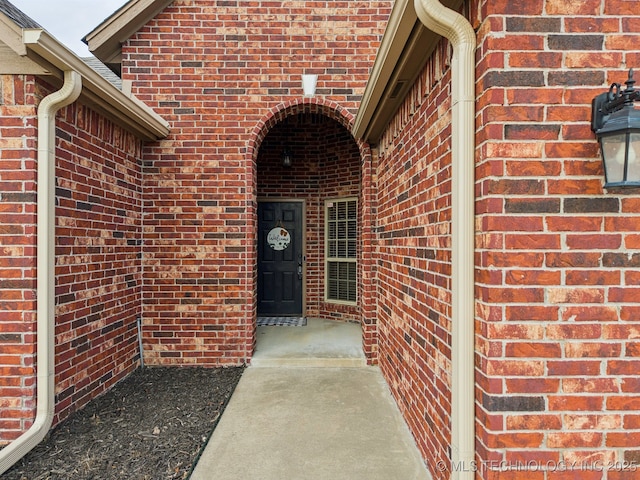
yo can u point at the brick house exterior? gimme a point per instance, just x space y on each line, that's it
238 91
164 227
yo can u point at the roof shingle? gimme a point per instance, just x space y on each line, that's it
15 14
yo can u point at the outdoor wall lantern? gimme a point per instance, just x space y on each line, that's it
616 124
286 158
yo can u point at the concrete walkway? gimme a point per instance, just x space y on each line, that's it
300 422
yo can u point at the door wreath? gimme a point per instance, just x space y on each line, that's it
278 237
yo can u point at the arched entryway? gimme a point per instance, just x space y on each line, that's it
319 200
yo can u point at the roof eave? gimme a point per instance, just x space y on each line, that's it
97 91
105 41
405 48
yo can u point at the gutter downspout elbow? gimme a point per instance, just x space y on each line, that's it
459 31
45 335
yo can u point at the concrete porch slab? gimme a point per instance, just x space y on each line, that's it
321 343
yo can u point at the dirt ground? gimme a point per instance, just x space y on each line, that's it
152 425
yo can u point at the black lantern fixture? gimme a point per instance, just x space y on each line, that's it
286 158
616 124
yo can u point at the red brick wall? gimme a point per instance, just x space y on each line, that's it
558 256
98 254
214 69
17 254
414 260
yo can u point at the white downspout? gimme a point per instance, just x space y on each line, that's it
47 109
460 33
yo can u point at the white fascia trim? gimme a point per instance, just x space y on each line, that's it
105 41
395 37
128 110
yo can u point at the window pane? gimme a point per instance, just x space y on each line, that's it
332 212
352 249
333 270
342 249
333 290
342 230
353 211
352 292
332 231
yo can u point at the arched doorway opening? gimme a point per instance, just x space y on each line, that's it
314 209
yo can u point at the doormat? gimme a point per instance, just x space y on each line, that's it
282 321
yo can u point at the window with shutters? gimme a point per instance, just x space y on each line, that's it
341 250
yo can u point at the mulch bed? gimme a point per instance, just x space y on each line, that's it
152 425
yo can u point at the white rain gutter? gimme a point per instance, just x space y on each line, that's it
47 109
460 33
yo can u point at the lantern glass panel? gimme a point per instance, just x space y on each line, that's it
613 153
633 169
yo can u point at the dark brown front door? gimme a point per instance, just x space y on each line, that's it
280 258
